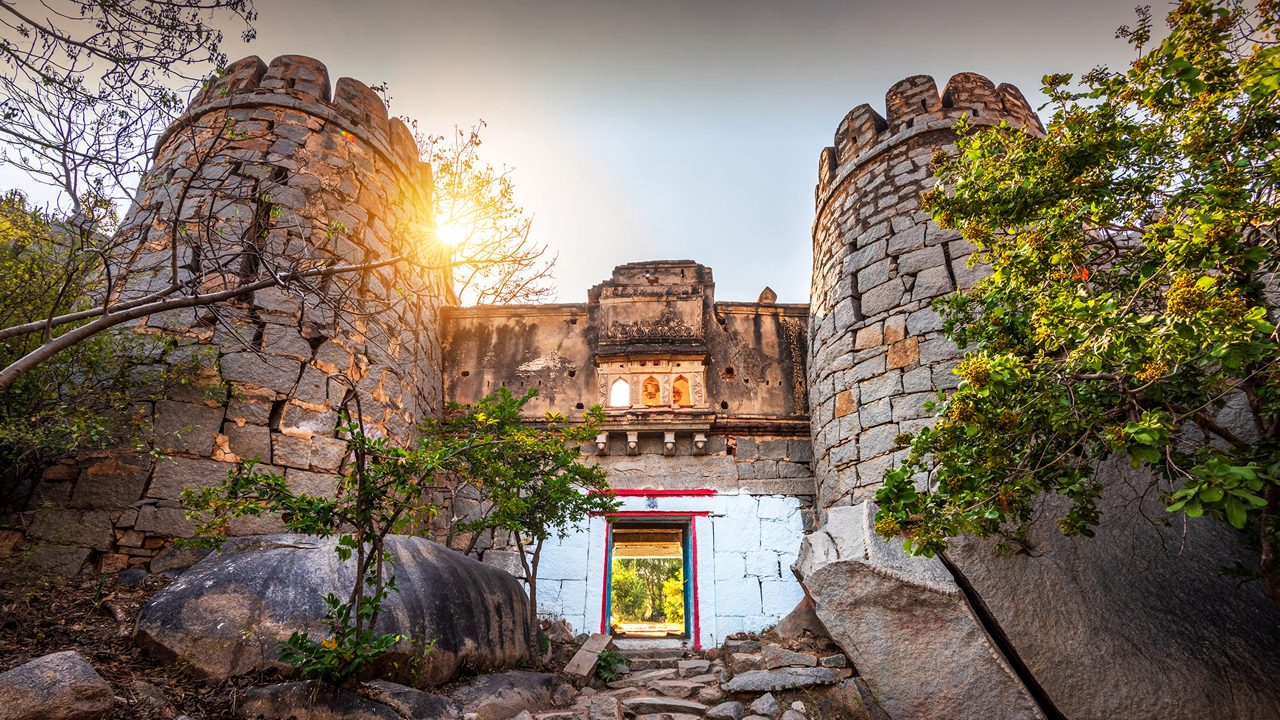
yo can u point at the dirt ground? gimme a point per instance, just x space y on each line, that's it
95 617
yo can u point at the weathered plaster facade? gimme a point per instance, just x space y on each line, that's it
706 407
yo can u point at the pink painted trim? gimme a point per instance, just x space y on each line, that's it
604 596
657 492
693 543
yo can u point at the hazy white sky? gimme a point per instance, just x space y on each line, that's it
659 129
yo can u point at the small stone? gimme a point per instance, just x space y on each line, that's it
131 578
794 715
834 661
604 707
710 694
766 705
746 661
776 656
732 710
689 668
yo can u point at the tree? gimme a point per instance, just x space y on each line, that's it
385 489
673 598
79 400
88 85
1131 305
493 259
531 476
628 598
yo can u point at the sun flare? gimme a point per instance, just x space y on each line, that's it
452 235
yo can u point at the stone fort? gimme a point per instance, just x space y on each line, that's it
746 439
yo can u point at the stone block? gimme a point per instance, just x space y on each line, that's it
789 470
186 427
762 563
779 536
882 298
248 411
61 560
248 441
167 521
277 374
875 388
922 259
903 353
729 565
846 403
773 449
877 441
800 451
327 453
875 412
738 596
87 528
173 474
112 482
868 337
917 380
311 483
895 329
932 282
291 451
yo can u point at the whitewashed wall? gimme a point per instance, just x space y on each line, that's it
745 547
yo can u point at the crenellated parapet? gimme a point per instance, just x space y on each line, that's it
876 350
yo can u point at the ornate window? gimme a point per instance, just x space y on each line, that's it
680 392
651 391
620 393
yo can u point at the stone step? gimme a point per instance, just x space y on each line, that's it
654 663
643 677
654 704
653 652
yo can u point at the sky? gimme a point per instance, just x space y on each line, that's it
656 129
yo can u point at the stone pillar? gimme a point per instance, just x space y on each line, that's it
270 170
876 349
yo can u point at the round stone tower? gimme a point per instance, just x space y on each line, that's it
270 171
876 350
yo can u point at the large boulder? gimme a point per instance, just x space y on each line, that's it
906 625
226 615
61 686
1137 622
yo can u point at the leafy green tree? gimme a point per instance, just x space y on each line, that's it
673 598
387 489
629 600
531 475
1132 302
79 400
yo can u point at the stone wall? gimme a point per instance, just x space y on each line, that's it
1136 622
269 170
876 351
754 352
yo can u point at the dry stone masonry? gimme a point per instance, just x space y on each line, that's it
274 159
876 350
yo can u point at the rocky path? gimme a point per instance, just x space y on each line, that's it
664 683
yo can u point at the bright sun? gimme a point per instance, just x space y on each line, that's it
452 235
